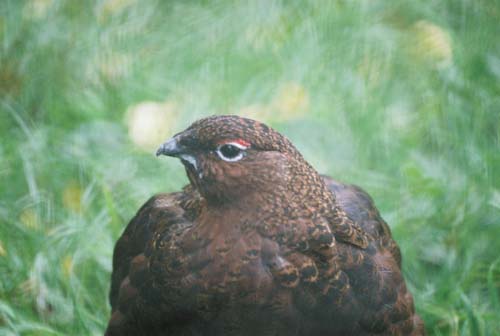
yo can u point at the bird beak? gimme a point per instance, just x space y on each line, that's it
170 148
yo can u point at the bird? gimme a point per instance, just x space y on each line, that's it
258 243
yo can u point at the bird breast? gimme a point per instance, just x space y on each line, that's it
235 256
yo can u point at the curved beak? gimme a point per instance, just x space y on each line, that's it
170 148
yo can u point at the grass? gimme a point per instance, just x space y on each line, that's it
401 98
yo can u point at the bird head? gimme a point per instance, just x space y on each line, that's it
228 158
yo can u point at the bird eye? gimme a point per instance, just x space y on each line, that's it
231 152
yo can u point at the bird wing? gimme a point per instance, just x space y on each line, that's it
160 214
360 209
388 305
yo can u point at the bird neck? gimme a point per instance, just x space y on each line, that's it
301 195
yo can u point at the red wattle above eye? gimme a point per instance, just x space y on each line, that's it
240 142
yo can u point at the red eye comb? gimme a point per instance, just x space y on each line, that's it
238 141
242 142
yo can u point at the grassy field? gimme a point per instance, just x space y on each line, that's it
401 98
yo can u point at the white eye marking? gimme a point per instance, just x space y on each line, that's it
231 151
190 159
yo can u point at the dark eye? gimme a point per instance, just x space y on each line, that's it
231 152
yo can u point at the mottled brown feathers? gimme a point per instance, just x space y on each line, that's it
258 244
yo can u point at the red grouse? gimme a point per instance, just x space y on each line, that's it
257 244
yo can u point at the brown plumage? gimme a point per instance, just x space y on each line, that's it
258 244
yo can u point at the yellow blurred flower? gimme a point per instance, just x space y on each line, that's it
268 34
432 43
255 111
37 9
28 287
111 7
72 197
29 218
114 66
2 250
108 65
150 123
372 69
67 265
290 102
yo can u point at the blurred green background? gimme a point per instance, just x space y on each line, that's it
399 97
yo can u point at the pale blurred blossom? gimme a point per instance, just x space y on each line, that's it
150 123
109 65
67 265
399 117
268 30
373 69
37 9
115 66
255 111
3 252
291 101
111 7
29 218
495 199
72 197
269 36
432 43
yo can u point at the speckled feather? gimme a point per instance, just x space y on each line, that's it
261 246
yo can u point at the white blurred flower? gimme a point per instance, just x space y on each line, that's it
150 123
432 43
399 117
495 199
